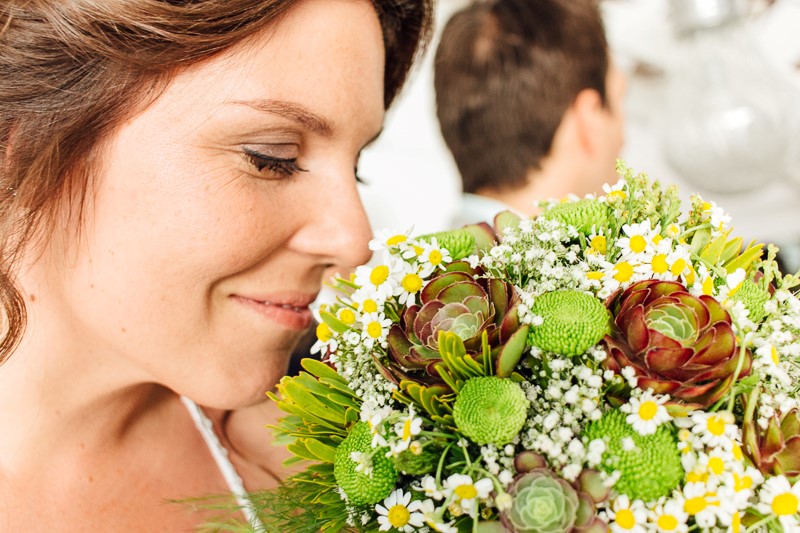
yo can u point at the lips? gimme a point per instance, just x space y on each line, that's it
288 310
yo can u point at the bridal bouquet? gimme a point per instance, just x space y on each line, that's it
613 364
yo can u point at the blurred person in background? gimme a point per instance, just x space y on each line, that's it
529 103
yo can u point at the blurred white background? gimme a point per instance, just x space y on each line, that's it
413 182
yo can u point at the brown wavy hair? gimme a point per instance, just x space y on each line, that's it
72 70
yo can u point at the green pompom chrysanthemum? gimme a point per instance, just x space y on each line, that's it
490 410
650 465
363 488
585 215
753 297
572 322
459 243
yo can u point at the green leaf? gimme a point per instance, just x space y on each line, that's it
322 451
732 248
320 369
746 259
311 404
713 250
334 323
511 353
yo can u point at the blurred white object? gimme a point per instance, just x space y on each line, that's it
725 126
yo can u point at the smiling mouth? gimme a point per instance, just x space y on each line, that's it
294 317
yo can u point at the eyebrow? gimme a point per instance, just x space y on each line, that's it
292 111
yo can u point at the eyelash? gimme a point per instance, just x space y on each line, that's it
277 165
284 167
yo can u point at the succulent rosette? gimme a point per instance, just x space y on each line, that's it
462 301
677 343
776 448
543 502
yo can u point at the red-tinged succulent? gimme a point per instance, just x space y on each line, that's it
459 301
776 449
677 343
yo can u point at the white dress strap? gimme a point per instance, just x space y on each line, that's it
220 454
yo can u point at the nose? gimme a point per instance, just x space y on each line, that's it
338 231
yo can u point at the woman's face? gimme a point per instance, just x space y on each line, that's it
219 207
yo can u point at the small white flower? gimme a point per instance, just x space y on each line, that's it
670 516
779 498
432 490
466 492
646 412
627 516
715 429
399 512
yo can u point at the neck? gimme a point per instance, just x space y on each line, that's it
59 397
556 178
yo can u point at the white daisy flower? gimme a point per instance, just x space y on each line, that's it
715 429
646 412
779 498
433 257
386 239
431 489
704 504
411 281
377 278
408 428
466 492
637 245
670 516
399 512
375 328
626 516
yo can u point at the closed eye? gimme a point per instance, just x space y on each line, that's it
284 167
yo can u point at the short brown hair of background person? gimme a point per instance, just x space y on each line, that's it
71 71
505 73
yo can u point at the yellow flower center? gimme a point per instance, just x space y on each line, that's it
418 249
648 410
638 244
736 523
667 522
737 452
742 483
395 239
411 283
715 425
785 504
774 356
707 206
695 505
398 516
370 306
696 476
690 277
617 194
324 332
623 272
673 230
407 429
660 264
466 492
374 329
347 316
678 267
708 286
435 257
716 465
595 275
657 239
625 519
379 274
598 244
